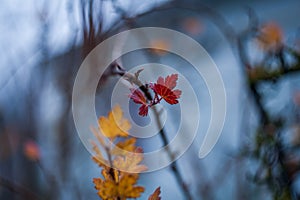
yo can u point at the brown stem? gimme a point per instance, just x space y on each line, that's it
174 167
111 169
270 75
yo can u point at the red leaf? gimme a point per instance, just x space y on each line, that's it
177 93
143 110
167 94
164 88
171 81
137 96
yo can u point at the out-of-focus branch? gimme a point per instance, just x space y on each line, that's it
22 191
254 75
258 74
224 27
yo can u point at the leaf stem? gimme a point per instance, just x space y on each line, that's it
174 167
111 169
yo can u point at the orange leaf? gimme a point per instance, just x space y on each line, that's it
31 150
130 162
192 25
125 188
124 146
114 125
159 46
155 195
270 36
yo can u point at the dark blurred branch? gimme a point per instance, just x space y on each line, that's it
22 191
51 181
85 33
263 74
174 166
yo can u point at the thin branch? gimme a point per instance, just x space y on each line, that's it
174 167
52 182
22 191
267 75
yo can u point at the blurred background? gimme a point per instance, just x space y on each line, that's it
255 44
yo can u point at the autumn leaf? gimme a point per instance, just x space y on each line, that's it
138 97
164 88
130 162
115 183
31 150
270 36
124 146
108 189
155 195
114 125
127 188
192 25
159 46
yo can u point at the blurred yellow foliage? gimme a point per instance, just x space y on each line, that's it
109 189
270 36
159 46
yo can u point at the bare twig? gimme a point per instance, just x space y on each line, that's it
22 191
174 167
267 75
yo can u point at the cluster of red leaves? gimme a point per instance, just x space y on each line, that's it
163 90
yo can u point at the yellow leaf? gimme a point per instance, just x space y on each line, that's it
123 147
116 184
155 195
125 188
107 189
114 125
130 162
